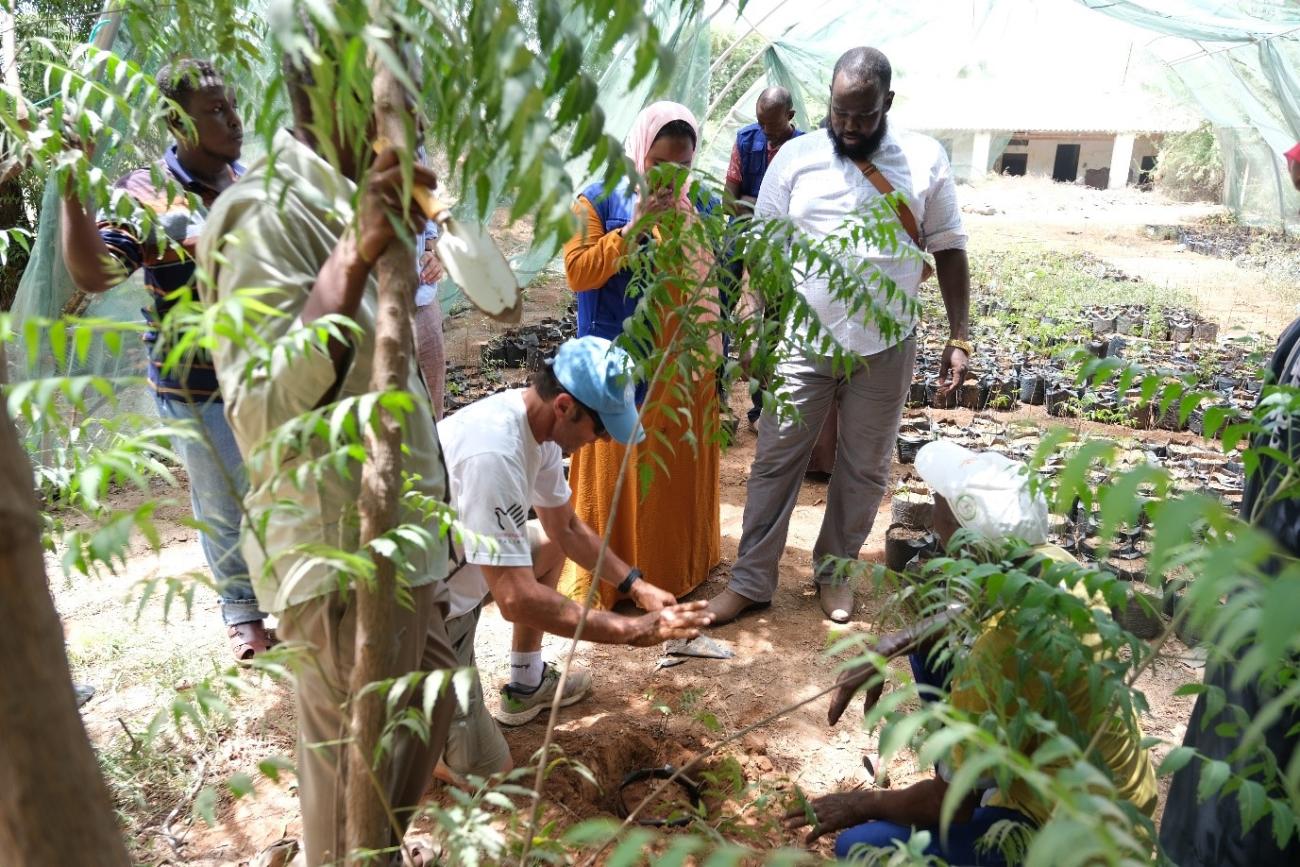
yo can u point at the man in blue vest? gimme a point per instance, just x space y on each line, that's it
755 147
757 144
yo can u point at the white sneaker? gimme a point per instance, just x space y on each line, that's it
518 707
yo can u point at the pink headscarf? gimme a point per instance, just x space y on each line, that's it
653 118
1293 155
640 138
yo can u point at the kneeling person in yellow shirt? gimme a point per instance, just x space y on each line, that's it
878 818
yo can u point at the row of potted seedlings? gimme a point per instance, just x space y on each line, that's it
1193 468
526 345
1003 379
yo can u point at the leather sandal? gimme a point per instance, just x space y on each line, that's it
251 639
728 605
837 601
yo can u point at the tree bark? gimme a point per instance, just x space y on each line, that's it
368 822
54 807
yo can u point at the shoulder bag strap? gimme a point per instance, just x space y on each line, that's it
905 215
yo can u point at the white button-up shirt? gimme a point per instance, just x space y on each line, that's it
818 190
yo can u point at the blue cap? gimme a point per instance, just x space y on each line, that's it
599 375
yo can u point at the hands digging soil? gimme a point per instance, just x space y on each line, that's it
676 621
889 646
825 815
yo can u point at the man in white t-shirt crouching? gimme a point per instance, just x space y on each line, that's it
504 455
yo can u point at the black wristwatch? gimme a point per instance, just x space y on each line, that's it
632 577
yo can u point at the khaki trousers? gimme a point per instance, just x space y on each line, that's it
870 405
327 626
430 353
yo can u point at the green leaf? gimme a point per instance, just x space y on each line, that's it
1283 822
271 767
709 721
240 785
1254 803
682 848
462 682
726 856
593 832
1213 775
1176 760
631 849
205 805
58 336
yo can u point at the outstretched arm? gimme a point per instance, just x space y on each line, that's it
522 599
918 805
90 262
581 545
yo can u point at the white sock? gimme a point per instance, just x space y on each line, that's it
526 669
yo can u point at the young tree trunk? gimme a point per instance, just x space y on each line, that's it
54 808
381 485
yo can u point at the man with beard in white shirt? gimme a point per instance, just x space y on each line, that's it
819 182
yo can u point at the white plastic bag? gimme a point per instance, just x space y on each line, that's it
987 492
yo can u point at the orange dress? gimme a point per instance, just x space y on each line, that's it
667 522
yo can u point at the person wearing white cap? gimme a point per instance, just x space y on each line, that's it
989 495
504 456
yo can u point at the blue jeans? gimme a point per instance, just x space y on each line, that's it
962 849
218 483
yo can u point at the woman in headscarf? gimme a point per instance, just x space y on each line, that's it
672 531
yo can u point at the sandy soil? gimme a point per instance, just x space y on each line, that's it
637 716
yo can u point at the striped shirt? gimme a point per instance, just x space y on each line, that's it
168 262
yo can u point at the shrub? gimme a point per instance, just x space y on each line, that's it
1190 166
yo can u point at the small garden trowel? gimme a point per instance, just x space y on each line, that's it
471 257
679 650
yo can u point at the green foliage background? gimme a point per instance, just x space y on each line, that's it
1190 167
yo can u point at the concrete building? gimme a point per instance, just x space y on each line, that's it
1106 140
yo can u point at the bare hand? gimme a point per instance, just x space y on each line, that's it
952 370
651 598
430 268
73 140
847 686
656 202
827 814
381 198
676 621
889 646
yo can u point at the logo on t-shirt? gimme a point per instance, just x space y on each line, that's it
515 514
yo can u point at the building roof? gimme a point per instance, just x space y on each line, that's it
1014 106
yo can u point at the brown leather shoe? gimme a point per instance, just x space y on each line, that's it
728 605
837 601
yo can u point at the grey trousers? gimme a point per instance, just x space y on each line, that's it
870 404
327 625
